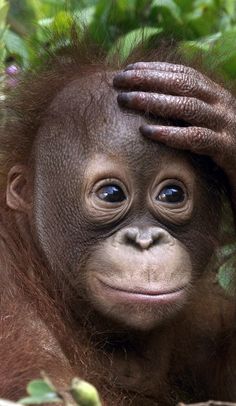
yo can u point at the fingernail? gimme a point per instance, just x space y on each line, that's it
123 99
129 67
117 79
146 130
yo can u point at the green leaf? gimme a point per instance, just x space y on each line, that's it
46 8
40 392
2 58
170 6
191 48
62 22
226 251
127 43
230 6
53 2
86 15
39 387
39 400
4 7
84 393
45 22
226 276
205 17
15 45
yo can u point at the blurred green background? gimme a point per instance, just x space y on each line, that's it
208 25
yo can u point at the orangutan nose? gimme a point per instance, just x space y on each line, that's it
144 238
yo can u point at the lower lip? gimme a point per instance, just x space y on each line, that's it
141 297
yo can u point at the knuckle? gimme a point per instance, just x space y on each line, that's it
200 137
224 97
186 84
227 141
221 118
189 106
206 141
180 68
137 77
139 98
203 140
231 121
201 112
189 71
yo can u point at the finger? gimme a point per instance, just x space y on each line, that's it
196 139
181 69
188 109
161 66
167 83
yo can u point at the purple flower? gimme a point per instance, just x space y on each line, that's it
12 70
11 75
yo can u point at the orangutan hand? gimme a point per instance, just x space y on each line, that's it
179 92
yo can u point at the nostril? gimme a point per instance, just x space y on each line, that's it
131 236
157 235
160 236
142 238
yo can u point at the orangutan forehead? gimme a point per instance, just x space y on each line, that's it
86 114
94 92
87 109
86 117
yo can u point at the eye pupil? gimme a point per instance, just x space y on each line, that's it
111 194
171 194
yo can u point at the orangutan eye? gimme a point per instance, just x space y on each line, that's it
171 194
111 194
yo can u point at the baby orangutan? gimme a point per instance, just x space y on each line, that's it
107 235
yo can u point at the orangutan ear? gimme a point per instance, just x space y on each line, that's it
19 189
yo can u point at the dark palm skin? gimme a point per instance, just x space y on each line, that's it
180 92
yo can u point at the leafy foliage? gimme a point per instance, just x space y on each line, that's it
206 25
3 17
42 391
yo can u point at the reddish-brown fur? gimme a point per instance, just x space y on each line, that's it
36 330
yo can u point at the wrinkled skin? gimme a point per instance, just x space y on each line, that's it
131 272
133 259
179 92
208 113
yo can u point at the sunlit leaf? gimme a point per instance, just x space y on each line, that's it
38 387
190 49
170 6
128 42
84 393
226 275
40 392
62 22
4 7
86 15
40 399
